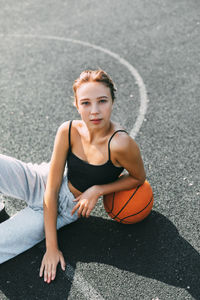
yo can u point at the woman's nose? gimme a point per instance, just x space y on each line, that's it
94 109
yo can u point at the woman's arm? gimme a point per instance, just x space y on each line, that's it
126 153
53 255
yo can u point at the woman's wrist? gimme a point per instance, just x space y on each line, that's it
52 248
98 190
51 245
124 182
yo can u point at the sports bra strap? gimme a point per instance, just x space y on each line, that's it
120 130
69 135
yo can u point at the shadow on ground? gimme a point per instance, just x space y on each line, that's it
152 248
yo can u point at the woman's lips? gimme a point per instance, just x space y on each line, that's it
96 121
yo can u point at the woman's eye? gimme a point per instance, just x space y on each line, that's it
85 103
102 100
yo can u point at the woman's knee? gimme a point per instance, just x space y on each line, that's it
21 232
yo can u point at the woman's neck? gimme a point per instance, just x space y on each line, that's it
95 134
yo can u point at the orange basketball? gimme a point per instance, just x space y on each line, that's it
130 206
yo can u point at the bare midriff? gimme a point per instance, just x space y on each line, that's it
73 190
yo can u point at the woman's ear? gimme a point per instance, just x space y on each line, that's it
75 105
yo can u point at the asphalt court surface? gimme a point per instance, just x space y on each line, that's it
159 258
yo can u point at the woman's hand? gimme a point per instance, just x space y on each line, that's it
49 264
86 202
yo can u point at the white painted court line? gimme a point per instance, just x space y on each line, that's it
142 89
73 276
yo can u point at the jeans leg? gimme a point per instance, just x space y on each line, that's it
23 231
24 181
26 228
65 202
20 232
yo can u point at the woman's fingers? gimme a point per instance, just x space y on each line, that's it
47 270
49 273
41 269
84 211
53 275
46 273
53 272
62 262
80 211
88 213
49 266
77 199
83 207
75 208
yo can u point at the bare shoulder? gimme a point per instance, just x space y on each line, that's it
64 127
76 128
61 139
122 143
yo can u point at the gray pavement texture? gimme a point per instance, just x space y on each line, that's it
155 259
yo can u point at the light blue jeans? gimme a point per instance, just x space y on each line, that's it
27 181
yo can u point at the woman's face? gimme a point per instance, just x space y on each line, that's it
94 103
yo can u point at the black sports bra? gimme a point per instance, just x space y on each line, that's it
83 175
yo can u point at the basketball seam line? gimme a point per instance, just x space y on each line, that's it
110 211
127 202
113 202
139 211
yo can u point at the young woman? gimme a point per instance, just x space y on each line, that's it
95 150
